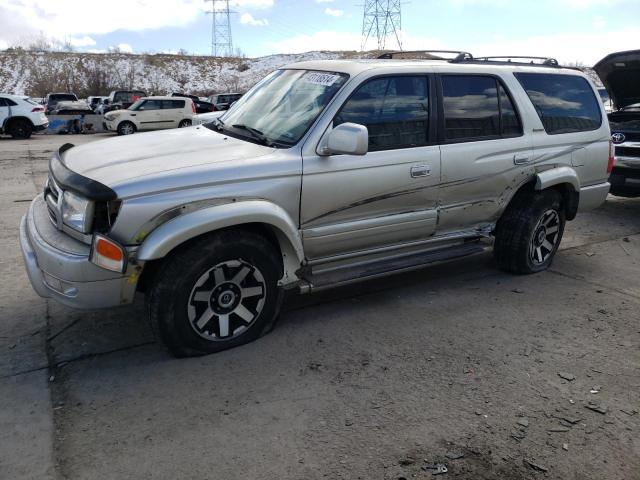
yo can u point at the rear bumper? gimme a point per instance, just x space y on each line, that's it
58 266
39 128
593 196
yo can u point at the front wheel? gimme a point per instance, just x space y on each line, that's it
219 292
184 123
126 128
529 233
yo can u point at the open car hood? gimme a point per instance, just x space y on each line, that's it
620 74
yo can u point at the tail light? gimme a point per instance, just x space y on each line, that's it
612 158
193 107
37 109
107 254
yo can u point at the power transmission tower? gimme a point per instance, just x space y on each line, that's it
221 40
382 18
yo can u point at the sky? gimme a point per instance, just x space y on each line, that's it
581 31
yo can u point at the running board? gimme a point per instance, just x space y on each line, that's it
379 268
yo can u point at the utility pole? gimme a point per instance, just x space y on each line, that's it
381 19
221 40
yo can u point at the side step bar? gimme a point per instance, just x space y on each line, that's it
379 268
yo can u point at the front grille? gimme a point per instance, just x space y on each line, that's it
52 194
629 136
628 152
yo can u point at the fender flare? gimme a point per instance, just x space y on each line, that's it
178 230
557 176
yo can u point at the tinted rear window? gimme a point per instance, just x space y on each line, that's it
477 108
565 103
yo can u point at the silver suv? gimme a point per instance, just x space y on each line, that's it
325 173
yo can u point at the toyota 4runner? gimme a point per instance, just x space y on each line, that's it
325 173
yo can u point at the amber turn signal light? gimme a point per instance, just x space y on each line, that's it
107 254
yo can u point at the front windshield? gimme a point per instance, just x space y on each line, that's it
136 104
280 109
604 95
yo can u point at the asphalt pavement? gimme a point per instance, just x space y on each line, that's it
492 375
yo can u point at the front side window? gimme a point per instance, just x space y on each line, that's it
3 102
147 105
395 110
565 103
280 109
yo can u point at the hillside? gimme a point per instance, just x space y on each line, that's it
37 73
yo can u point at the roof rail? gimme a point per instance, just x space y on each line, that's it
427 55
514 60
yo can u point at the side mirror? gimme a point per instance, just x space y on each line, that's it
347 139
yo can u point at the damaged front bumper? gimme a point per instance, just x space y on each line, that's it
58 266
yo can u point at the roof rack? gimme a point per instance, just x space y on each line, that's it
427 55
513 60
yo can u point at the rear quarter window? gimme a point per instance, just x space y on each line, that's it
565 103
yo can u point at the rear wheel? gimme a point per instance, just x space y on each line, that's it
184 123
220 292
529 233
20 128
126 128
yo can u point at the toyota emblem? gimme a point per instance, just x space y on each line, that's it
618 138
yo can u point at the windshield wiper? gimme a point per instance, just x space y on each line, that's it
255 133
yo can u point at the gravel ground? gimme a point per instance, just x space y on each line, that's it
493 375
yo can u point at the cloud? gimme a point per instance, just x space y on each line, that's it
85 41
251 3
334 12
569 47
247 19
61 19
125 48
325 1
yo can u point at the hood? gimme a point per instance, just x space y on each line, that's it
160 157
620 74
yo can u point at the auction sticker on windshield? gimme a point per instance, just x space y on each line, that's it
325 79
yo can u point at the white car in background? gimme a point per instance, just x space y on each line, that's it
151 113
20 116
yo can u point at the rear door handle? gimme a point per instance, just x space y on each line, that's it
521 159
420 171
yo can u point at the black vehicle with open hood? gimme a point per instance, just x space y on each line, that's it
620 74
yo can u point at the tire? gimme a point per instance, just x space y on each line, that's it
20 129
219 292
184 123
126 128
529 233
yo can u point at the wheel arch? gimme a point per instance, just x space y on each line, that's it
260 216
564 180
9 120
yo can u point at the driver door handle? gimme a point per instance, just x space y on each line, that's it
420 171
521 159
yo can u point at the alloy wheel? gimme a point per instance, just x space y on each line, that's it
226 300
545 237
